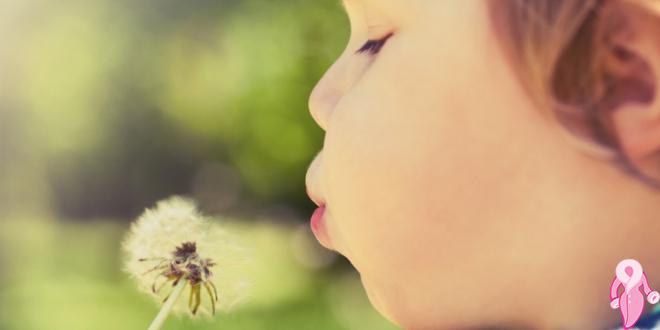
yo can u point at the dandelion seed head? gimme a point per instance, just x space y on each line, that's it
174 228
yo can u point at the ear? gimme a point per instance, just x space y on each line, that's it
630 36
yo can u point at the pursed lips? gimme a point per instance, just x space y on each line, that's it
311 181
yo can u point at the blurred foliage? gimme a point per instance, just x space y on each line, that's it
113 105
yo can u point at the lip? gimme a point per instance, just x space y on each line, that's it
312 183
318 218
317 223
314 198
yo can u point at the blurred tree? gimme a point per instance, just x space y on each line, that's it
127 102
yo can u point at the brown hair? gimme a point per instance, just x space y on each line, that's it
562 55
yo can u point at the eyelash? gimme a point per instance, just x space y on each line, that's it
373 46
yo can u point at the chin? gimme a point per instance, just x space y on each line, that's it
393 306
376 302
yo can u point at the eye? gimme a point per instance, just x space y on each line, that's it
373 46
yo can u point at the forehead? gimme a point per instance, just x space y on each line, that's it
392 8
385 3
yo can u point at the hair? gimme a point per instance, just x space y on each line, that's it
561 52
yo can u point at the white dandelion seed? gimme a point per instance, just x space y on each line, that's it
172 249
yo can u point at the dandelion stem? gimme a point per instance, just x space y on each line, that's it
167 306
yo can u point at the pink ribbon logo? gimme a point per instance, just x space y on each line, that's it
630 275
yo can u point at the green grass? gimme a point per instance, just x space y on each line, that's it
66 275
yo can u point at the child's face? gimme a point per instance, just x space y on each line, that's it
435 169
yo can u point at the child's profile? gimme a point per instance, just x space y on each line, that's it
486 164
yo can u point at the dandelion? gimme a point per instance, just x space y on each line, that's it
172 247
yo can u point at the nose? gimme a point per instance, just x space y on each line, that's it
327 92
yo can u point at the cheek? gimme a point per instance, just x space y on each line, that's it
390 182
414 153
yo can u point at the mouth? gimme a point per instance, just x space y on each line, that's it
318 219
318 225
314 198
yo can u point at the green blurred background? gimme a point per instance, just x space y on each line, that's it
108 106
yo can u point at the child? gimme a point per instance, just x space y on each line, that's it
487 164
